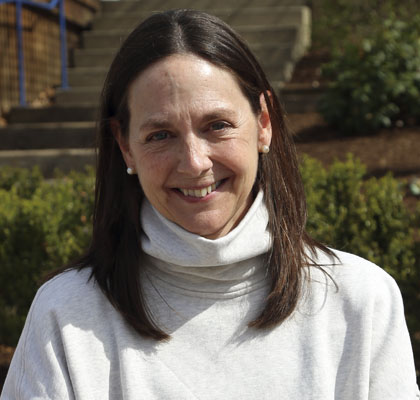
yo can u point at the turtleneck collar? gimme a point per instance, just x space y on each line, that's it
169 242
227 266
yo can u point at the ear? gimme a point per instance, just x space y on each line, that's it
122 143
264 123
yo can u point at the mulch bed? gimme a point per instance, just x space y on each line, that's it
389 150
6 354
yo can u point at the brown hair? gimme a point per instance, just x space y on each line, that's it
115 252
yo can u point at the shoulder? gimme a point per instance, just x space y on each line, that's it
63 313
361 303
351 270
70 292
357 282
67 285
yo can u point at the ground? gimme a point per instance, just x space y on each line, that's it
395 150
389 150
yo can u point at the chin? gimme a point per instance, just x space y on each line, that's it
207 229
208 232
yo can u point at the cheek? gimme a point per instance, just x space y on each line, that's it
242 156
152 169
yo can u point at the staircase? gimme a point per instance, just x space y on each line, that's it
62 135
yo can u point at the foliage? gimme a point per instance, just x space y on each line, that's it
23 181
43 225
354 20
366 217
375 82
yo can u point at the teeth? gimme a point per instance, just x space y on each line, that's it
200 192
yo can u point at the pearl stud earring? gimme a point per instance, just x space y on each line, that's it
130 171
265 149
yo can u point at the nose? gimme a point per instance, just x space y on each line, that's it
194 156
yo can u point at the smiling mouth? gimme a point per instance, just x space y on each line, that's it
200 192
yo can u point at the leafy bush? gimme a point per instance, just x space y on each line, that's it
41 228
355 19
24 181
375 82
365 217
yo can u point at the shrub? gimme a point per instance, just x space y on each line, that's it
365 217
354 19
41 229
375 82
24 181
68 202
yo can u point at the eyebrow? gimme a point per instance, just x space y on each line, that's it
154 123
157 122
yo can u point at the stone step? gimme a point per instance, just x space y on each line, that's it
81 104
296 99
277 15
127 6
112 38
70 146
87 76
49 159
95 76
79 96
89 96
55 113
265 53
33 136
89 57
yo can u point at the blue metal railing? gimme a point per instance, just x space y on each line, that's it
19 31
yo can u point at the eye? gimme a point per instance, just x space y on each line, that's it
219 126
157 136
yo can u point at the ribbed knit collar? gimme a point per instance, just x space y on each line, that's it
230 265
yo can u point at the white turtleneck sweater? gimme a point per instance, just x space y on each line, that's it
345 344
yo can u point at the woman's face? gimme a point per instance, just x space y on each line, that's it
194 142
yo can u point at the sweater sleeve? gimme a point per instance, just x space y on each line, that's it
38 369
392 371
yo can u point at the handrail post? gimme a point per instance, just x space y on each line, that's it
19 33
21 65
63 46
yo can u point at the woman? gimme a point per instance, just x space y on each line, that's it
200 282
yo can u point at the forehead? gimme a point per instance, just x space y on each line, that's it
184 79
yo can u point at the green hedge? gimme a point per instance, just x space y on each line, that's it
354 19
365 217
43 225
375 82
46 223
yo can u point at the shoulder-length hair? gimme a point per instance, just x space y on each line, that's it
115 254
